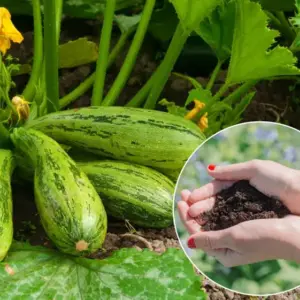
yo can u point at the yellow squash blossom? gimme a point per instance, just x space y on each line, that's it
22 107
8 31
203 122
193 113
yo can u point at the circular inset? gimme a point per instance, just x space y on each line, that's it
237 208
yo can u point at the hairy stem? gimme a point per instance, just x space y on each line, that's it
4 136
131 57
51 54
87 83
214 75
59 9
240 92
104 46
285 28
30 89
220 92
174 50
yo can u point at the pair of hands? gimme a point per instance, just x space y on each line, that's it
250 241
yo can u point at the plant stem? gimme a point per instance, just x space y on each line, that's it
285 27
30 89
104 46
220 92
131 57
174 50
239 92
59 9
51 54
275 21
214 75
4 135
87 83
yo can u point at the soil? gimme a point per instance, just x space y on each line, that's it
273 102
239 203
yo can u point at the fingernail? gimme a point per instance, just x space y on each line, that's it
191 243
211 167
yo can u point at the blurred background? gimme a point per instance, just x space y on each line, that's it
259 140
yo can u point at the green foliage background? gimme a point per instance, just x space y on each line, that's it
258 140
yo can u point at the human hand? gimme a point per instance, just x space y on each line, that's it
250 241
270 178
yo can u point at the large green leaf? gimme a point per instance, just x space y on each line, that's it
217 30
192 12
252 58
39 273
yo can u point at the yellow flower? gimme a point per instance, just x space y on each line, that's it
193 113
22 107
203 122
8 31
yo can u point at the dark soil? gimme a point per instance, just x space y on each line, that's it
239 203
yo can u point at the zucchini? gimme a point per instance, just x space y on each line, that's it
6 219
146 137
70 208
132 192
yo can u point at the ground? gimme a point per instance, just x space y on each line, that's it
273 102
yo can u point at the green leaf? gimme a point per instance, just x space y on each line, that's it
192 12
39 273
295 21
252 58
172 108
220 106
200 94
217 30
126 23
158 27
196 84
77 53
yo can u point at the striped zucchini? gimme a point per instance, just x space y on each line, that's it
132 192
70 208
129 192
146 137
6 219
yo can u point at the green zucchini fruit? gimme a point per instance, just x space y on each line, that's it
132 192
6 207
146 137
70 208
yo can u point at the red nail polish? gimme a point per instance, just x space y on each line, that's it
191 243
211 167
